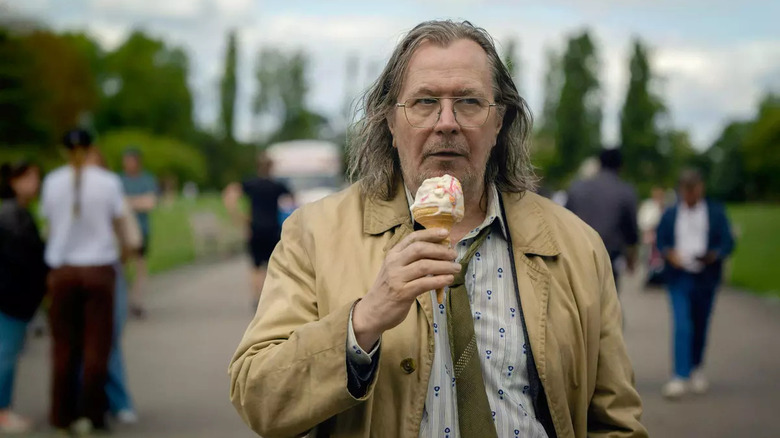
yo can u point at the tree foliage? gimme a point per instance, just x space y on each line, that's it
578 112
282 89
145 86
640 139
228 91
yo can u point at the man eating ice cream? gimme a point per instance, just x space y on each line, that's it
352 340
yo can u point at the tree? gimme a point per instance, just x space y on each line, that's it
145 87
553 81
512 62
578 113
762 150
228 91
282 90
46 86
728 178
639 134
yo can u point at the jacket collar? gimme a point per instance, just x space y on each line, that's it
529 229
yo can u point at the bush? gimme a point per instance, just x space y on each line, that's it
162 156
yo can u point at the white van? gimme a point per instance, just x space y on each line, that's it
311 169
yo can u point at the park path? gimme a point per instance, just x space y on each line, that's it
177 360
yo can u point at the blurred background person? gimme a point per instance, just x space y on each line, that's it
82 204
140 188
695 238
608 204
120 403
22 278
648 217
264 226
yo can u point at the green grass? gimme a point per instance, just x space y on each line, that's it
172 242
755 264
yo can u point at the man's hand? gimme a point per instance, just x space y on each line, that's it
126 254
674 259
417 264
708 258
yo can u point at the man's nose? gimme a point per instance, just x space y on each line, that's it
447 124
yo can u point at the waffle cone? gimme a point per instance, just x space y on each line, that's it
424 217
428 217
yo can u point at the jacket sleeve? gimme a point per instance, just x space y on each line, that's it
726 238
615 408
629 223
664 234
289 373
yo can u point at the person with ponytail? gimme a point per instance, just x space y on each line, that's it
22 278
83 205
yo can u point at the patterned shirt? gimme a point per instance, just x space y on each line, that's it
501 340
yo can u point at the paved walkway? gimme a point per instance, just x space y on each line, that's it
177 361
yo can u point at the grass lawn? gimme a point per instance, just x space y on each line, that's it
172 243
755 264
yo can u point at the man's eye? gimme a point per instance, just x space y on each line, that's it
426 101
470 101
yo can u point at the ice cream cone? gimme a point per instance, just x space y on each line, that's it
423 217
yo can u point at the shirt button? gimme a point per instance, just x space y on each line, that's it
408 365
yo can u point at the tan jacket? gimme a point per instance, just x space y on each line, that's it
289 374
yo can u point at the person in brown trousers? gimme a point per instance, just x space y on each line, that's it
82 204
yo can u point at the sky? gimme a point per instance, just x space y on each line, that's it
714 58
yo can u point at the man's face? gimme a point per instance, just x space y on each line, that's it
458 70
692 193
131 164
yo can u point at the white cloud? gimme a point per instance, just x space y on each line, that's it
706 87
109 36
157 8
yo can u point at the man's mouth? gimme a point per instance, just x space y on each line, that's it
446 154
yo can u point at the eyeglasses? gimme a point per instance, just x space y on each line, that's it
424 112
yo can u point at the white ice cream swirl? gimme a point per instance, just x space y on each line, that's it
445 193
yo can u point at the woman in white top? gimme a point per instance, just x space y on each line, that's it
82 204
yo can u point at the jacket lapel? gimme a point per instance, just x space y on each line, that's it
531 236
381 216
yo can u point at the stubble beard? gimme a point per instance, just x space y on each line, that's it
468 177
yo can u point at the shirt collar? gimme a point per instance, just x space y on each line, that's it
492 214
699 206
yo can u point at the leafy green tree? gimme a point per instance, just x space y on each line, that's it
639 133
762 150
228 91
282 90
145 87
163 156
578 113
46 87
728 179
512 62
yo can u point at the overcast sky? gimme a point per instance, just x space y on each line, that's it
716 57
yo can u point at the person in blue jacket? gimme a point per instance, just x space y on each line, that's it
695 238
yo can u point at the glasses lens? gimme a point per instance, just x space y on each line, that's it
471 111
422 112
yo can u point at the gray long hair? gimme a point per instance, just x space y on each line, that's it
374 161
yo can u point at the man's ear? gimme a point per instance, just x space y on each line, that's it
391 126
499 120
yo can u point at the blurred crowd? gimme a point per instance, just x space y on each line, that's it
97 228
96 224
68 265
679 238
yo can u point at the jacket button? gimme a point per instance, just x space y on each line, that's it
408 365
